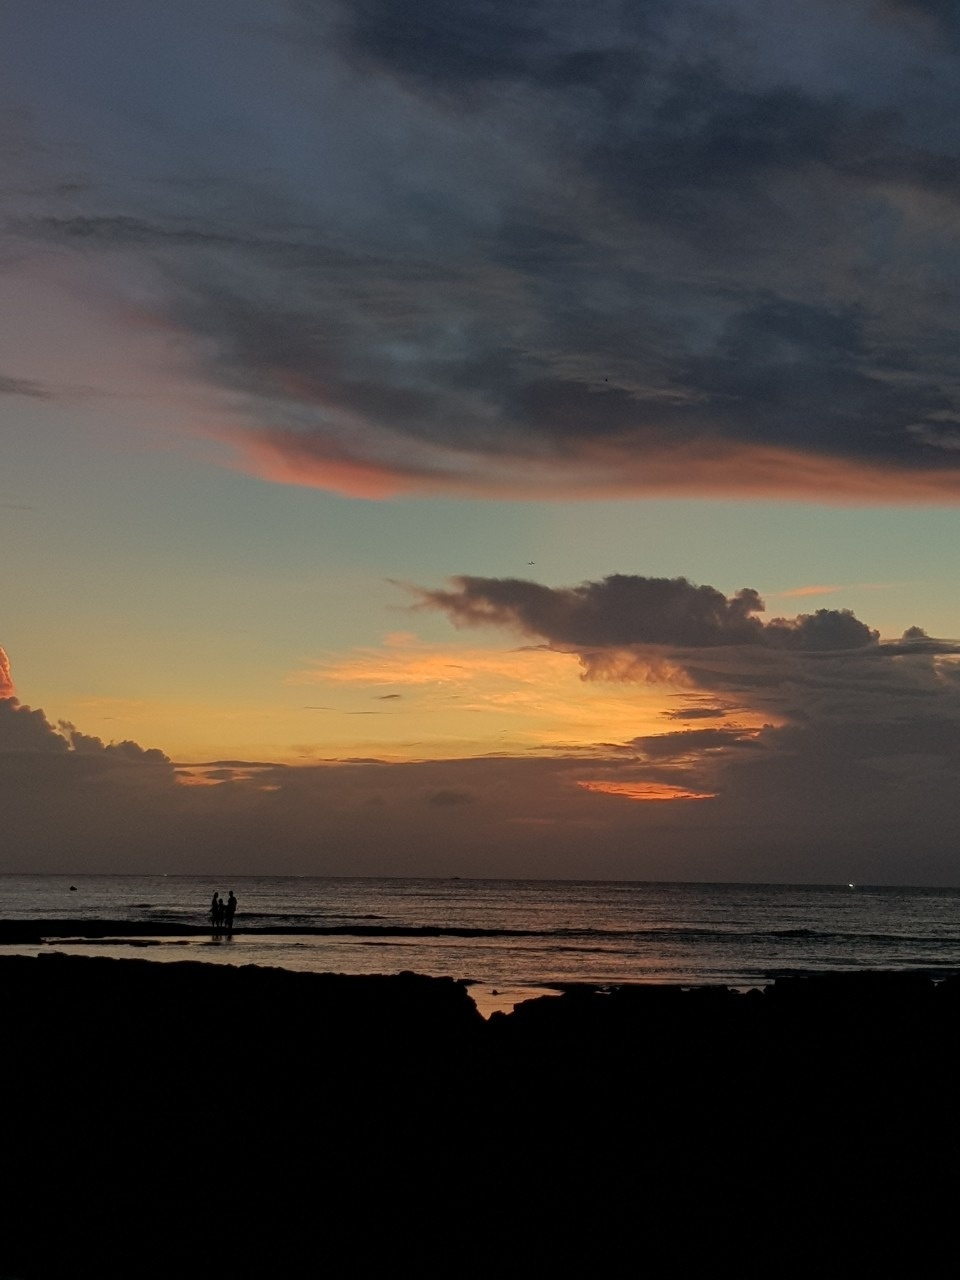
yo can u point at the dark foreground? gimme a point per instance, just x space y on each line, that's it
187 1119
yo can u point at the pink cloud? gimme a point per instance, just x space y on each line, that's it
6 680
378 469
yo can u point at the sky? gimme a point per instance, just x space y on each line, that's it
486 438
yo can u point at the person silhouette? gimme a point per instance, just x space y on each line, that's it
229 911
216 913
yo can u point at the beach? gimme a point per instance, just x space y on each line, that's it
177 1118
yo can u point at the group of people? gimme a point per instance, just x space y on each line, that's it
222 912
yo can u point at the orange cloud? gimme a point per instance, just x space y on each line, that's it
518 699
645 791
290 465
798 593
706 468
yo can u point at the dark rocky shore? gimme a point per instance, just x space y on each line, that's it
177 1119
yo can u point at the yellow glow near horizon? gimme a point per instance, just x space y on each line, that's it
519 699
404 699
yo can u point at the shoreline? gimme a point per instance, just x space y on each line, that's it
177 942
36 929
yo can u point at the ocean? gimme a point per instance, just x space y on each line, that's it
511 939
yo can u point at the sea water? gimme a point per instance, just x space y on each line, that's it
512 938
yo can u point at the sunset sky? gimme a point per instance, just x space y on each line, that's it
481 437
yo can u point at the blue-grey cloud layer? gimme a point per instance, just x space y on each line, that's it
497 246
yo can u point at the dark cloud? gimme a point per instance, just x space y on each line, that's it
824 666
449 799
693 742
131 752
916 640
522 249
449 46
27 730
827 667
941 15
805 367
702 157
22 387
624 610
696 713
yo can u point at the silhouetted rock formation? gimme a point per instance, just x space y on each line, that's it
173 1119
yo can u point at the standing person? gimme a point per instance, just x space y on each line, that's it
216 912
229 911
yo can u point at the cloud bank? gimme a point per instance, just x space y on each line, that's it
794 749
490 250
860 749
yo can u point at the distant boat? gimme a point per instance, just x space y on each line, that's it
851 886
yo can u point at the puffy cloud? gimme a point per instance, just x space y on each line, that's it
627 610
824 684
25 729
87 745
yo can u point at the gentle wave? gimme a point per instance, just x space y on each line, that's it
505 933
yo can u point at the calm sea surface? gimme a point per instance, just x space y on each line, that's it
512 936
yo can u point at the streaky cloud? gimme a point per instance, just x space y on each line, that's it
23 387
